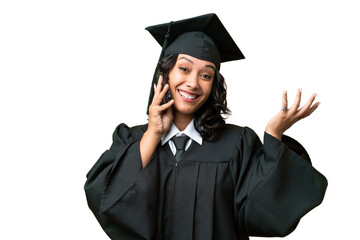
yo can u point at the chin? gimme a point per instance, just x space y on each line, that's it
186 110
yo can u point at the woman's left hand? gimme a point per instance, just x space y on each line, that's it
287 117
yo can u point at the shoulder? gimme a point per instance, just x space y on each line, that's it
231 142
124 134
239 137
232 128
124 130
235 132
231 139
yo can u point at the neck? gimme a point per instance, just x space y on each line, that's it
182 120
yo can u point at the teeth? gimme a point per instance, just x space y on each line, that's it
188 96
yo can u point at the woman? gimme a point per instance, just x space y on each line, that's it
222 182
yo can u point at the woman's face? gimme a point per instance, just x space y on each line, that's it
190 82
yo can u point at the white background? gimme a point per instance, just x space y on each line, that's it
70 71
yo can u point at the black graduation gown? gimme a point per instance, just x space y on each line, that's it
230 188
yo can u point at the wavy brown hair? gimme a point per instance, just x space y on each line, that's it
210 118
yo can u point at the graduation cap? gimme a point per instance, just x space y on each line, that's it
203 37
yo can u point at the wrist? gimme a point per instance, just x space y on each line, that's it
274 134
152 136
148 144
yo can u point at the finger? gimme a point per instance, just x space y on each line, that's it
157 90
284 105
154 96
307 105
163 92
159 84
296 104
160 96
311 110
166 105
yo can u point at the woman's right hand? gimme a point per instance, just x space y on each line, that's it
159 123
160 116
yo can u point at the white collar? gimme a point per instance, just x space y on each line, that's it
189 131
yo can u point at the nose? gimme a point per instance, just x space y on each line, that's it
192 81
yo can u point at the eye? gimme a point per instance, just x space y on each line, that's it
208 77
184 69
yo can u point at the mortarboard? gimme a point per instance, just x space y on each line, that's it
203 37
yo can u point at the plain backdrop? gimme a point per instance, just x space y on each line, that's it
71 71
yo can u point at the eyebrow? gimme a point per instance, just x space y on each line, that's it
208 65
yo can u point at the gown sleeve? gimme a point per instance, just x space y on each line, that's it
119 191
275 185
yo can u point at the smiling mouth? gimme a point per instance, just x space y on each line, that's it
188 96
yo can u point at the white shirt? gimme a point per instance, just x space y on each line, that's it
189 131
